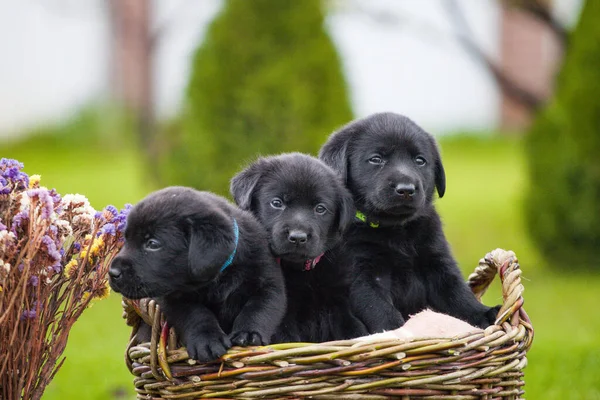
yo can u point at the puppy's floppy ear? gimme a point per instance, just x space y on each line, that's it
211 241
243 186
346 210
440 174
335 151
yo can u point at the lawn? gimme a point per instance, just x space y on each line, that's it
481 211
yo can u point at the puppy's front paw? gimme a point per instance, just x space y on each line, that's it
492 314
385 322
207 346
245 338
487 318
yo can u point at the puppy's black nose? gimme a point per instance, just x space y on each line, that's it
405 190
114 273
298 237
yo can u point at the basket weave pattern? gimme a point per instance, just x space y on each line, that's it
476 365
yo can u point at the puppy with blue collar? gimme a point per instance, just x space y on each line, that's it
208 265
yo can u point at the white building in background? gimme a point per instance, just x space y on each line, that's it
55 59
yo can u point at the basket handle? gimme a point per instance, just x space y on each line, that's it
504 264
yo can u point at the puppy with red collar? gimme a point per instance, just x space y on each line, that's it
305 208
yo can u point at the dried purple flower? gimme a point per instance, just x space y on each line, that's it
18 220
28 314
52 252
4 187
77 246
34 280
11 171
107 229
120 219
56 198
44 197
2 226
112 209
7 163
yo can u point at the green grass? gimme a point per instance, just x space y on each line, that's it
481 211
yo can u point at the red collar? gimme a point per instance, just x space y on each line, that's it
308 264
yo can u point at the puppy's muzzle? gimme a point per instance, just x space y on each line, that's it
403 191
115 273
406 191
298 237
119 275
295 242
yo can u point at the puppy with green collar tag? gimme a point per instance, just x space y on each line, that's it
396 248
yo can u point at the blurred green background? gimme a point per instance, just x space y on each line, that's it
266 78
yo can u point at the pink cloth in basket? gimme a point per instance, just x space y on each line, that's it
426 324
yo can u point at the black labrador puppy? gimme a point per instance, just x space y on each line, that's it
396 247
208 265
305 208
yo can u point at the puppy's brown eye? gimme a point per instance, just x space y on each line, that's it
420 161
152 245
277 203
376 160
320 209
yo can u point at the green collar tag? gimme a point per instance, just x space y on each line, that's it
362 217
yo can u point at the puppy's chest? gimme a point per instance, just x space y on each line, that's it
395 253
401 279
318 286
395 268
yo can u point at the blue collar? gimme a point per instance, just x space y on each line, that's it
236 233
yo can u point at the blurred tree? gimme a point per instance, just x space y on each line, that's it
539 10
134 42
563 203
132 65
510 87
266 79
543 12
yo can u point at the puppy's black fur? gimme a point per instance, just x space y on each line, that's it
397 248
177 241
305 208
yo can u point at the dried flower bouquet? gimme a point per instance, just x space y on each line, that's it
55 252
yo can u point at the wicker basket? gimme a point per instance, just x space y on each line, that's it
477 365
